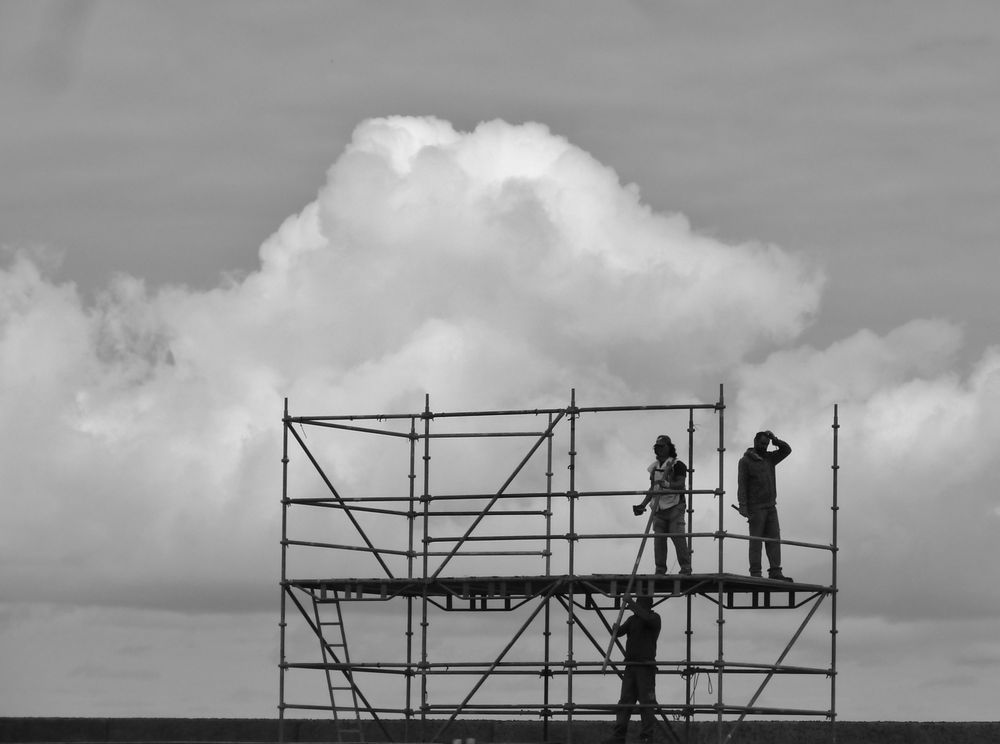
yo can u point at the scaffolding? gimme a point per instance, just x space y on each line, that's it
473 594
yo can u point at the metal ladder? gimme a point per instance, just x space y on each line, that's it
348 727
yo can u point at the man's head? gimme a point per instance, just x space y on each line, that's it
760 441
645 603
664 448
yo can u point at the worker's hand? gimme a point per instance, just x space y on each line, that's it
770 435
638 509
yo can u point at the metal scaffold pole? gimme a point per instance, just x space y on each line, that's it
570 664
720 619
282 622
411 556
546 673
424 603
835 508
689 599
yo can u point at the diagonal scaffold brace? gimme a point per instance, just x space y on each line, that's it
628 591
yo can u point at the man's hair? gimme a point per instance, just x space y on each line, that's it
761 434
644 601
665 440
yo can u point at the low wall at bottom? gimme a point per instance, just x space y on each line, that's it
252 730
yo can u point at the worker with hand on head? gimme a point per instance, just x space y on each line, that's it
757 493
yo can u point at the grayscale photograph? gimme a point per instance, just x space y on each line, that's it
462 371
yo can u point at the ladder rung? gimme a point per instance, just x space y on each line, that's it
353 733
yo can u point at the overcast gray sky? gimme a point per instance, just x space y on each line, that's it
207 206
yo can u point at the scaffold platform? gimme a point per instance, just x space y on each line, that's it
502 592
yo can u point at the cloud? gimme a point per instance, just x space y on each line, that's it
516 229
494 268
917 445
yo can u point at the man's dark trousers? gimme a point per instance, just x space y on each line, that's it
764 523
638 686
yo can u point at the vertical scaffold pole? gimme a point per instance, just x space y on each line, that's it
410 560
548 499
570 620
547 633
411 514
689 599
425 600
833 600
284 577
720 671
690 482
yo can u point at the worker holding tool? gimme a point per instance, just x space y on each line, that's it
639 678
667 476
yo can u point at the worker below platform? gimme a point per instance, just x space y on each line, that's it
639 678
667 476
758 493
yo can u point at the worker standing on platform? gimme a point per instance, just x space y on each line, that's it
667 476
639 677
757 495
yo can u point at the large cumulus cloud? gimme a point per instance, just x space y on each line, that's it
494 268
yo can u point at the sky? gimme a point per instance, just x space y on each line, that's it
206 208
